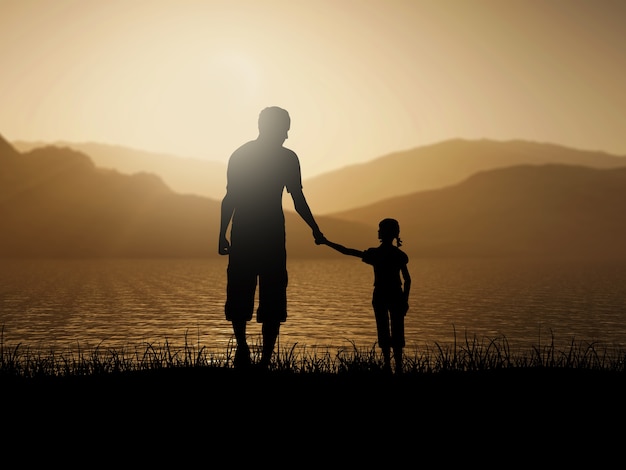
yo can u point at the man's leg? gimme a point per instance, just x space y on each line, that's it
272 309
240 292
270 330
242 354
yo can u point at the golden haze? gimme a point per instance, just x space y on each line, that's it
55 202
189 77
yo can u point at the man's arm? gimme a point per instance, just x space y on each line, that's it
228 208
303 209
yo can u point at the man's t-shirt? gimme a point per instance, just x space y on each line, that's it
256 177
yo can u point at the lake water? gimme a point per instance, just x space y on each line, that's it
63 304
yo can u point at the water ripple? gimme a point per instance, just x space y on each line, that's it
117 303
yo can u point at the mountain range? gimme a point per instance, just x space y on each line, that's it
182 174
543 210
482 198
436 166
396 174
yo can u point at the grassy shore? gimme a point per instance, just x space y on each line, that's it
326 405
479 363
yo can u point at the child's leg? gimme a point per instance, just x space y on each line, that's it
397 338
387 358
397 356
384 335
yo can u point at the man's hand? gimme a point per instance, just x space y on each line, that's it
224 246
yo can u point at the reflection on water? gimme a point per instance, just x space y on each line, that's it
122 303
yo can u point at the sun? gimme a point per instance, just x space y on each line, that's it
233 74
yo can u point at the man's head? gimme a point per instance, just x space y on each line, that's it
274 123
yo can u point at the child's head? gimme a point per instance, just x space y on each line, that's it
388 229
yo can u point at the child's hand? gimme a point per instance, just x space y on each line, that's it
319 237
321 240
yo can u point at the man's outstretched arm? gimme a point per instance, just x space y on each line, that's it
303 209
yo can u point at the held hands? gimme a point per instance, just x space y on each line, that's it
320 239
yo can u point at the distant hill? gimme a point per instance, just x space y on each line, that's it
54 202
7 150
435 166
527 210
401 173
182 175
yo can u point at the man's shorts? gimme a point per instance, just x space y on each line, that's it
242 278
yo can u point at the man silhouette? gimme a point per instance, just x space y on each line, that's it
258 171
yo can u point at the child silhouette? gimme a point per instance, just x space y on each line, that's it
392 284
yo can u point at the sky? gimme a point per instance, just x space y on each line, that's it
360 79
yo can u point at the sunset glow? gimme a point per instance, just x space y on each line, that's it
328 215
361 79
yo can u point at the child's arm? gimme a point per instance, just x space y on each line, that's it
407 281
344 250
407 286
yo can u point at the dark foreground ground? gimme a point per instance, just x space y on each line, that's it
537 415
